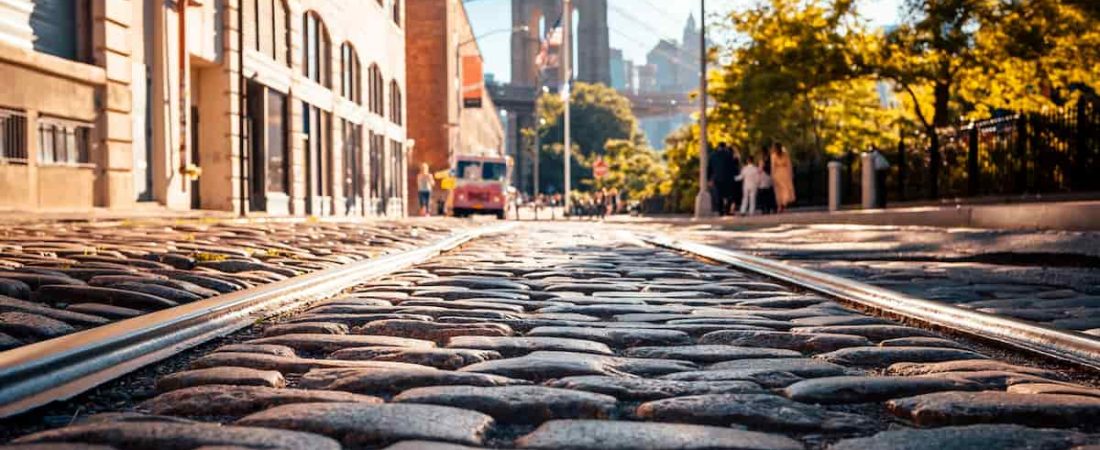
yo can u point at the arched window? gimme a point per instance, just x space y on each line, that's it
397 12
281 32
374 83
267 28
350 74
396 107
317 51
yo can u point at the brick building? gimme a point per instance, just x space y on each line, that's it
439 36
254 106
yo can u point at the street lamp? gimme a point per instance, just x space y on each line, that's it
702 199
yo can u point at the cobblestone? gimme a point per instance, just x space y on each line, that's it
357 424
516 404
85 274
216 400
565 337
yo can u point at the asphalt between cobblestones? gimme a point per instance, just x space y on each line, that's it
560 337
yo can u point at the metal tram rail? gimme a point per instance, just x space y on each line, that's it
1067 346
57 369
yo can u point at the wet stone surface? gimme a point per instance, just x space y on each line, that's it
559 336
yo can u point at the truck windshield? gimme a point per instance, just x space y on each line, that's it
488 171
494 171
469 170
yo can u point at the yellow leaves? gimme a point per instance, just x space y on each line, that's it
210 257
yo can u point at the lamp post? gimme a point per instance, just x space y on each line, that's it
567 76
702 199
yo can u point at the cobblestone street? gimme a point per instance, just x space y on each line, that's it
57 278
575 336
1050 277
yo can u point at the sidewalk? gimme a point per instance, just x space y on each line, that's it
1070 216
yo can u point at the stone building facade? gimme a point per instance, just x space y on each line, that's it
439 36
280 107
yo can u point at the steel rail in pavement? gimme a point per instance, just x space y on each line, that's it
1068 346
60 368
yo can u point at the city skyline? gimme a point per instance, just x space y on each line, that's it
627 25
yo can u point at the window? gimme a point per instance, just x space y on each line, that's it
62 28
374 81
395 103
276 142
350 74
396 186
13 136
397 12
317 125
265 28
63 141
377 171
317 50
281 32
353 166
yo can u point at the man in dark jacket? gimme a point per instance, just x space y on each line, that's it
720 178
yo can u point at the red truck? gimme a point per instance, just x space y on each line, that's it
481 185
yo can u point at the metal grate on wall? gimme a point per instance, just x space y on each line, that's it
13 136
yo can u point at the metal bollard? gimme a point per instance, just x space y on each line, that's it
870 191
835 186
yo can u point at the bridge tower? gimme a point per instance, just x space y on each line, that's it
518 97
593 51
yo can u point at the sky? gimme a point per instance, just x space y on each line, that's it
635 25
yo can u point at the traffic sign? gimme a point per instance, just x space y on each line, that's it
599 168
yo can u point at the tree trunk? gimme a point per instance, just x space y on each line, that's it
941 96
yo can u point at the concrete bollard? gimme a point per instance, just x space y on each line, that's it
870 191
835 185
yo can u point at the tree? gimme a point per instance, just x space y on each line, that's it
599 114
929 50
634 169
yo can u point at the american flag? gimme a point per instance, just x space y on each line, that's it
550 52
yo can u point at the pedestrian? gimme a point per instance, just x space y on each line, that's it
424 183
782 176
750 179
721 177
738 186
765 196
882 169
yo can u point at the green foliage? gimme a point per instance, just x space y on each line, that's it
602 126
807 73
634 169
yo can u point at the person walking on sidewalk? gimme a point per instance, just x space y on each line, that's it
782 177
424 184
882 168
765 196
750 182
720 176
